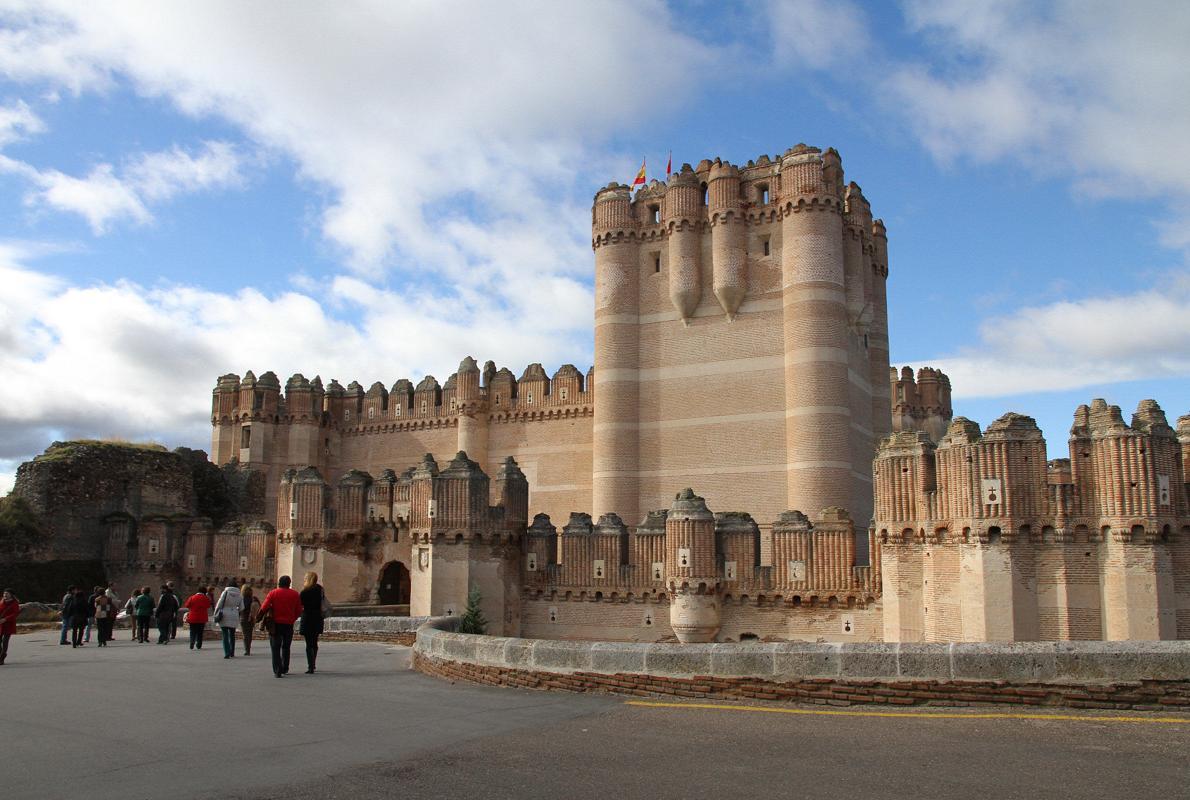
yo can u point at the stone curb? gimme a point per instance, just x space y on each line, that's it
1015 662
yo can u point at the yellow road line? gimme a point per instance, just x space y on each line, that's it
911 714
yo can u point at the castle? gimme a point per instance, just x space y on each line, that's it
741 347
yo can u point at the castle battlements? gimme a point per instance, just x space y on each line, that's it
236 401
685 556
1118 476
985 539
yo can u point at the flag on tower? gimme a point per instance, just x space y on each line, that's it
669 165
639 180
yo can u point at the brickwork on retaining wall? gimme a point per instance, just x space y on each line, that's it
1138 695
406 638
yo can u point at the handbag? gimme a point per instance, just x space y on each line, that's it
326 607
266 621
219 615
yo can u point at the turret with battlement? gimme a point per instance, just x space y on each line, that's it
774 275
922 404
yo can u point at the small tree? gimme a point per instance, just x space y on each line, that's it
473 620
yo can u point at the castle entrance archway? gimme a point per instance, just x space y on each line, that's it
394 584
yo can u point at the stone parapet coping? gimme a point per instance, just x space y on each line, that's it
374 624
1064 663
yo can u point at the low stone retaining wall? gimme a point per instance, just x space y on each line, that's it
1119 675
392 630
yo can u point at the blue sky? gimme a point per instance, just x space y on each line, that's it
371 191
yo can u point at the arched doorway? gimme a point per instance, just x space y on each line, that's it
394 584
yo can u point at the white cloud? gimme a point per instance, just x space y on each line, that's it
1070 344
413 114
103 197
161 176
453 142
100 197
817 33
134 362
1094 90
17 121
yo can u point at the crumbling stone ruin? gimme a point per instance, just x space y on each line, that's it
135 515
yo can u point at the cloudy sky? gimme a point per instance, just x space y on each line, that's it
373 190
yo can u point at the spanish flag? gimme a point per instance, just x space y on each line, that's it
669 165
639 180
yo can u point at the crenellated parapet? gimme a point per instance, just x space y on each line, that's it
1078 547
702 558
424 502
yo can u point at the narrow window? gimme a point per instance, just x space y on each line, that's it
346 414
654 213
529 399
397 412
245 437
423 406
656 262
763 191
765 245
563 392
257 401
371 412
497 398
705 194
452 404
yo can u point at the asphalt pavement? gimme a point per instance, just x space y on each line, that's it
133 721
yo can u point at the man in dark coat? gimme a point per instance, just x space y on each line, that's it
167 613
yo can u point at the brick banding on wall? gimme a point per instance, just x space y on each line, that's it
1106 675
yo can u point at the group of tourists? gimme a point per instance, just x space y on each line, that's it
235 609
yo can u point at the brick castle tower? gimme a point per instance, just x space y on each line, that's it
741 322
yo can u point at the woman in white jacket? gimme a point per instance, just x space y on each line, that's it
227 617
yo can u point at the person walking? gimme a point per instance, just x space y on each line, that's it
283 606
77 610
227 617
144 612
167 613
248 616
65 616
173 624
130 611
10 608
198 606
315 609
105 618
95 592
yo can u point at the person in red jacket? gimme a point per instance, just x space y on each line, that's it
10 607
198 606
284 605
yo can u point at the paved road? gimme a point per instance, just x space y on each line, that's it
178 724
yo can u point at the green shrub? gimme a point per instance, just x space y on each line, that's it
473 620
